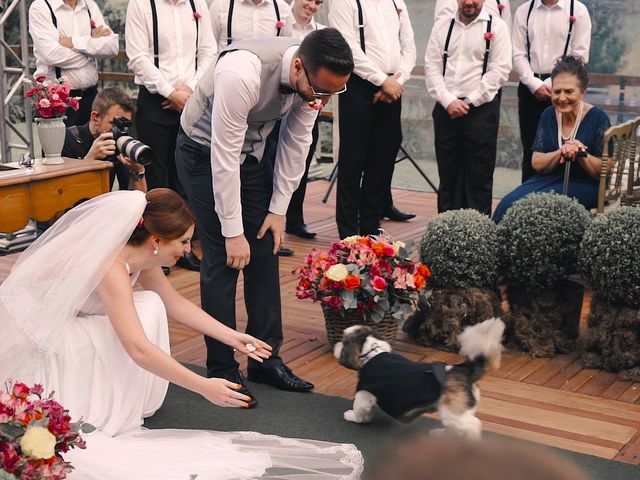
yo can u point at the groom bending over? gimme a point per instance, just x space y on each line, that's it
239 198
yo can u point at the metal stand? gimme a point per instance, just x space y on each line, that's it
402 155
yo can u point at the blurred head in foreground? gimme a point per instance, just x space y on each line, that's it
438 458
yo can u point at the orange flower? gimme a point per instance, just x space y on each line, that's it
419 281
423 271
365 241
382 249
351 282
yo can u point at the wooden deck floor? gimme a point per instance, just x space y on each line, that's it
551 401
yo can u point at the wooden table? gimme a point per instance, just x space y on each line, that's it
46 190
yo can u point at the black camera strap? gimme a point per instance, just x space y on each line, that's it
156 41
230 20
79 144
54 20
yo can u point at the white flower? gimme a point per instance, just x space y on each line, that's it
38 443
337 272
397 245
44 103
350 240
55 96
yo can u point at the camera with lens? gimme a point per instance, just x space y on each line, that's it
127 145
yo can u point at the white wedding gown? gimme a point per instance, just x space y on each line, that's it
95 379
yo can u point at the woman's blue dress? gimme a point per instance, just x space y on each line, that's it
582 186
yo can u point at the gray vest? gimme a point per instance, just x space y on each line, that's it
196 117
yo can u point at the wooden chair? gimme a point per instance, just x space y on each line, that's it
632 194
617 148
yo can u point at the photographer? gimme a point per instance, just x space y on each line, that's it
95 141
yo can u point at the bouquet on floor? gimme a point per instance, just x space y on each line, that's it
51 97
34 432
372 275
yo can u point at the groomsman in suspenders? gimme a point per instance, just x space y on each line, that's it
497 8
68 37
239 197
468 59
381 38
233 20
543 32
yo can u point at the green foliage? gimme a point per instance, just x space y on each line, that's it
539 240
460 248
610 256
608 46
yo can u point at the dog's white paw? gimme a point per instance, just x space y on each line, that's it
350 416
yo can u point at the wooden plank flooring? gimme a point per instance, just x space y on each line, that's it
553 401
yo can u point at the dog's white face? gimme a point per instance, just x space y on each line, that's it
357 341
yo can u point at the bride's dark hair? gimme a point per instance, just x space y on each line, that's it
166 215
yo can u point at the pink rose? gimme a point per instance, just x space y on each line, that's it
37 389
73 103
20 390
378 284
488 36
573 19
398 11
279 24
40 78
501 6
197 15
92 24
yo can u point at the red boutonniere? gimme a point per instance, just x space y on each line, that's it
197 15
92 24
488 36
501 6
317 104
279 24
573 19
398 11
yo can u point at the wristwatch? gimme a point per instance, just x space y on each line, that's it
137 176
466 101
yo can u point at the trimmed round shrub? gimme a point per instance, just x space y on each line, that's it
540 239
461 249
610 256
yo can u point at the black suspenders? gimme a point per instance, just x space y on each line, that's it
361 22
487 46
54 20
156 42
230 19
566 45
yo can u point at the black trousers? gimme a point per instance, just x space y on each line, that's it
217 281
466 156
83 114
295 214
529 111
370 137
158 128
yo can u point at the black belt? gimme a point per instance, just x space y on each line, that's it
79 91
542 76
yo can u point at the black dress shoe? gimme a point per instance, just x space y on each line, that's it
166 270
236 376
300 231
285 252
189 261
280 377
392 213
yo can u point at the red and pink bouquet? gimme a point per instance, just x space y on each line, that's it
372 275
51 98
34 432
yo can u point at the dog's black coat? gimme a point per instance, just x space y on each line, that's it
401 385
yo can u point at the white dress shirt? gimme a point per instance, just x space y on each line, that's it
388 38
548 30
176 44
447 8
237 87
249 20
78 64
297 31
463 78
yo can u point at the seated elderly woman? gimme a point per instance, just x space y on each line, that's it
571 130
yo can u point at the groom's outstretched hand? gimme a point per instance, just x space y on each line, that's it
238 252
251 346
223 393
275 223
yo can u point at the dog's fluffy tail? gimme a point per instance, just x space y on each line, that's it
482 344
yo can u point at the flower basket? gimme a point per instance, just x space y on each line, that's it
336 321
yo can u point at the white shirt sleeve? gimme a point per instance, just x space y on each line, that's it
237 92
207 47
436 85
498 68
293 148
101 47
343 17
46 40
407 44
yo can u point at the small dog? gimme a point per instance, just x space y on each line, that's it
405 389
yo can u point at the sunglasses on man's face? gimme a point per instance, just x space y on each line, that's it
319 93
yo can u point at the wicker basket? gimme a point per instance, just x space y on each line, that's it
336 322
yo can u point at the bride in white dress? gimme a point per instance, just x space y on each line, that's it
73 319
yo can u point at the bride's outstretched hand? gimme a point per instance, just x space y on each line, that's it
223 393
251 346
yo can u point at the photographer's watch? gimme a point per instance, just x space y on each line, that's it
137 176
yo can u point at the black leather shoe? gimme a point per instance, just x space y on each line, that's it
285 252
189 261
280 377
236 376
392 213
300 231
166 270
